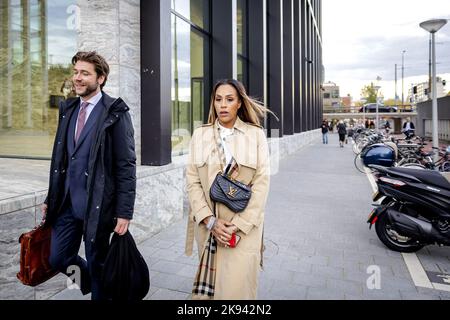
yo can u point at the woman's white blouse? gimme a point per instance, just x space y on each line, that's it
224 134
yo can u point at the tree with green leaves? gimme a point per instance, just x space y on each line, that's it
369 93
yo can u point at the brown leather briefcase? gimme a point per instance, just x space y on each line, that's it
34 254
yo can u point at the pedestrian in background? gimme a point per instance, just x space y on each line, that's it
408 128
350 132
387 127
324 128
342 131
233 136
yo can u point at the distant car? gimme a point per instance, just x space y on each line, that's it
372 107
407 109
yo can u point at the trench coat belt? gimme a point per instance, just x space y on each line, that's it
190 236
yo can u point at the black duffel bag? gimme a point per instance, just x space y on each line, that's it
125 274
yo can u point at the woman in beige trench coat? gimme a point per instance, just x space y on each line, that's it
229 273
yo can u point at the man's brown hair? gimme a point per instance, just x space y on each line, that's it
100 64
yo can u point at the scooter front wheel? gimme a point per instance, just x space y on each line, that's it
393 239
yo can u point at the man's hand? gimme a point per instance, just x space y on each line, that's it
121 226
44 210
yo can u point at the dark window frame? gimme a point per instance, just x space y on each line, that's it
244 57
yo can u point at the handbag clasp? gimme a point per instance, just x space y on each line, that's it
232 192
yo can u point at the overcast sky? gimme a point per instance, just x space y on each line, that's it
364 39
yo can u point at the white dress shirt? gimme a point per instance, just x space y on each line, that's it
408 126
92 103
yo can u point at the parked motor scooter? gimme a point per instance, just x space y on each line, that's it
414 209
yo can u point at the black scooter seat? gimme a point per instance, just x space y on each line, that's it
431 177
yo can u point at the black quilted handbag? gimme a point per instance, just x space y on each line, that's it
234 194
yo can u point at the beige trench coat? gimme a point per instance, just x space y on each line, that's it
237 268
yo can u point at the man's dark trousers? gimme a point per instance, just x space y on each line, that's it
65 243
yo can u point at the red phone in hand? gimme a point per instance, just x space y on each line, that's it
234 240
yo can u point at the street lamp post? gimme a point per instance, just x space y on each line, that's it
377 121
396 96
403 75
433 26
364 111
377 87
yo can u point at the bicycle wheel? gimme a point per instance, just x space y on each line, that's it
408 160
445 166
355 148
360 145
359 165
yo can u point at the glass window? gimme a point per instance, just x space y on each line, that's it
195 11
190 51
335 94
181 78
37 43
242 27
242 51
197 78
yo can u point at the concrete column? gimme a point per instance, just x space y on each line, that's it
129 53
120 19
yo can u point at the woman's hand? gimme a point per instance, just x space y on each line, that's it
223 230
232 227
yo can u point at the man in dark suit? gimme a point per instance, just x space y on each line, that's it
92 183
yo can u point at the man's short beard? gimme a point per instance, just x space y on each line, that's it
89 89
